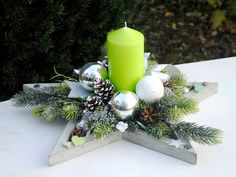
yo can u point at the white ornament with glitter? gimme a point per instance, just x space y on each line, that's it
149 89
162 76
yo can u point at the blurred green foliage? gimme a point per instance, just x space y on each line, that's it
35 35
220 10
182 31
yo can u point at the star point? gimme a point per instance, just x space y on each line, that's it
177 143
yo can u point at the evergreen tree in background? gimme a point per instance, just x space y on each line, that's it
35 35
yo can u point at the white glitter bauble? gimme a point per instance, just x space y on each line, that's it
149 89
162 76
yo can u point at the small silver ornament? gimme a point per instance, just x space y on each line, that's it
82 125
124 103
91 73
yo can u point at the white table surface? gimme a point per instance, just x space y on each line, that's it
26 142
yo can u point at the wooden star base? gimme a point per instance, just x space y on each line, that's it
180 149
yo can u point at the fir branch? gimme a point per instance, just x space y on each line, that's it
59 109
38 110
48 112
103 130
133 125
98 117
143 105
151 62
178 81
62 89
177 84
33 97
70 110
200 134
172 108
183 106
52 112
160 130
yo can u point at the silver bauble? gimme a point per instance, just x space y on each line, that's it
81 125
91 73
124 103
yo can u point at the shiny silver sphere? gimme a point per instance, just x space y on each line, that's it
81 125
124 104
91 73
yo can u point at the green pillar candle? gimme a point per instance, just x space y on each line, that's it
125 58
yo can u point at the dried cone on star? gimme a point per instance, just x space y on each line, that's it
92 102
104 90
77 132
149 115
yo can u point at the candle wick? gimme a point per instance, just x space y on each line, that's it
126 24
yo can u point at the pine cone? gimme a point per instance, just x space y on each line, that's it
92 102
104 62
167 84
104 89
149 114
77 132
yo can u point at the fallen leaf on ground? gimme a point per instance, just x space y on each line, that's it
210 43
174 27
169 14
161 7
217 18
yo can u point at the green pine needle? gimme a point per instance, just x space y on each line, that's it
200 134
71 110
151 62
62 89
143 105
34 97
173 108
50 111
133 126
99 116
38 110
177 84
67 110
103 130
182 106
160 130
